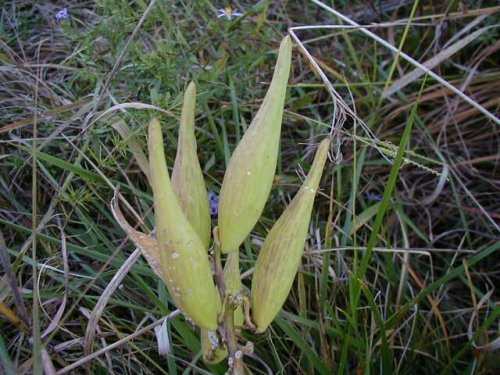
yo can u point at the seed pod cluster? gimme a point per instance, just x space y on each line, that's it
280 255
249 175
183 225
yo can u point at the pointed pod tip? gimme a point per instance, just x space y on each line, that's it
155 138
191 88
154 121
325 143
286 44
154 126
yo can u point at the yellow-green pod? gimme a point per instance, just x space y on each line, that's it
187 177
212 349
232 280
280 255
249 176
183 257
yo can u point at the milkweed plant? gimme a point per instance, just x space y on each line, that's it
206 292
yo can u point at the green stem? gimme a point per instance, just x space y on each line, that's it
227 328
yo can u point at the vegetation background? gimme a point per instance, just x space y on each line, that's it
400 272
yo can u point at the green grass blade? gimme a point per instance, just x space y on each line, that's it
298 340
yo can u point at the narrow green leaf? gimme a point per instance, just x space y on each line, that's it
82 172
303 345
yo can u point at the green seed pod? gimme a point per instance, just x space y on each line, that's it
183 256
232 279
187 177
280 255
249 176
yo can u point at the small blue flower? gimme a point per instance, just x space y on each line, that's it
373 196
62 14
342 279
213 199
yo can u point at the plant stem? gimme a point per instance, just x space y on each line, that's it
227 328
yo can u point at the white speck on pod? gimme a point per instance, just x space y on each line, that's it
214 340
310 189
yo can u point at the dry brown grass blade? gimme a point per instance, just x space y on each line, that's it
434 304
477 161
104 298
148 245
433 62
437 92
54 322
495 344
45 115
323 65
11 316
477 306
48 366
470 13
471 112
22 321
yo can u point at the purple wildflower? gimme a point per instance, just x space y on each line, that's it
213 199
62 14
373 196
